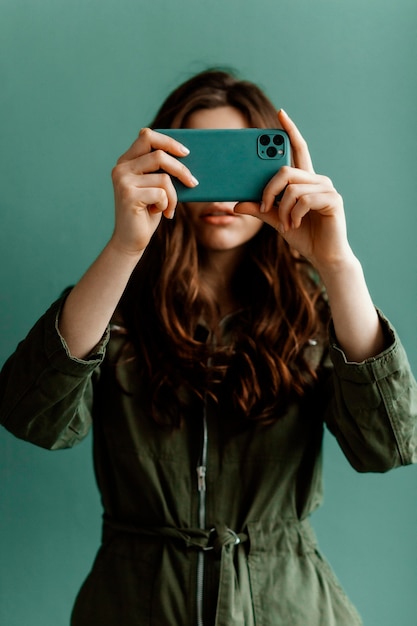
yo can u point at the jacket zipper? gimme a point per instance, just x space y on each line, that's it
201 484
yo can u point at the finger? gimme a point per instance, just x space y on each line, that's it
253 209
293 194
300 152
162 181
149 140
149 199
286 177
152 163
248 208
136 191
324 203
159 160
155 198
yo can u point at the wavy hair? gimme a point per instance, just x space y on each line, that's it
261 368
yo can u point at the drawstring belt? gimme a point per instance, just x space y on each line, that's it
215 538
222 540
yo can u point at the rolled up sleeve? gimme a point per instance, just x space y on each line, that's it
373 412
45 394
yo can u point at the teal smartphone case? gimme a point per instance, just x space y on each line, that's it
230 164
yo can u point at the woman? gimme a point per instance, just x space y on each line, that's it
198 347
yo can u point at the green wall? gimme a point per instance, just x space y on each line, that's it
77 81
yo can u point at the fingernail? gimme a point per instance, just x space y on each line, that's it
184 150
284 112
194 181
281 229
262 208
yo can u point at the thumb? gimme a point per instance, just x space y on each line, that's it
254 209
248 208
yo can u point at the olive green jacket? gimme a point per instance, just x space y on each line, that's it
229 543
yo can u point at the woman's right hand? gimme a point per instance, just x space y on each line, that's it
143 188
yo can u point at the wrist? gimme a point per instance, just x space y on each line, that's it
122 252
339 268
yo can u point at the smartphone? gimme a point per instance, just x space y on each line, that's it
231 165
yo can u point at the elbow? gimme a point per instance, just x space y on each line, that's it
374 460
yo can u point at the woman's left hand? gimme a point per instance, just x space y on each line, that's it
310 215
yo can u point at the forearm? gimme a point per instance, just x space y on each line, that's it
142 195
356 322
45 397
92 302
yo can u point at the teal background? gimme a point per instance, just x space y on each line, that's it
77 81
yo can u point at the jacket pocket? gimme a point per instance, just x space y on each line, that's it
291 583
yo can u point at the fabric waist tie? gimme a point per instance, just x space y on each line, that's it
233 596
222 540
215 538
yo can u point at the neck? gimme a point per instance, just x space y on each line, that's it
217 271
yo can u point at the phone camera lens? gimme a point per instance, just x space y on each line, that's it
278 140
264 140
271 152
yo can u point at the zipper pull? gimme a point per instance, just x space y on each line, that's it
201 474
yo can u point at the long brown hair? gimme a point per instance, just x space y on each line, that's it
261 365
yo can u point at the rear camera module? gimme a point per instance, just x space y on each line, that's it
271 145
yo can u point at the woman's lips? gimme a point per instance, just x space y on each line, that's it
218 218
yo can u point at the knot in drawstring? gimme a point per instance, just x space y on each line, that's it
224 536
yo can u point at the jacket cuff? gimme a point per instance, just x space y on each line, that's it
375 368
57 351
